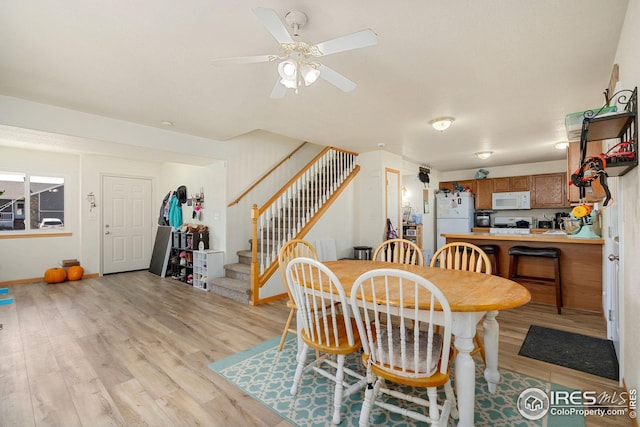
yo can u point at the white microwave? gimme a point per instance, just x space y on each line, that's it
511 200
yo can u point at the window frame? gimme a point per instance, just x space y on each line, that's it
26 201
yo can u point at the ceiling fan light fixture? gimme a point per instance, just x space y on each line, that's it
309 73
442 123
484 154
287 70
289 83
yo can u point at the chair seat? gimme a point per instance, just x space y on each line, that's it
536 252
489 249
436 380
342 347
422 368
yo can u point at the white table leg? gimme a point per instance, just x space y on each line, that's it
464 329
491 333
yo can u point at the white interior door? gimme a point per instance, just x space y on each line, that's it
126 224
611 269
613 319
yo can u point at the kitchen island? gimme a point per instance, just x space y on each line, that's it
580 265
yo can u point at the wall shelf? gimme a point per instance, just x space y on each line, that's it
622 126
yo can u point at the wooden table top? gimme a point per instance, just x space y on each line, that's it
465 291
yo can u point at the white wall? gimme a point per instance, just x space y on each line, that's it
369 201
629 61
83 174
30 257
511 170
92 168
254 154
414 198
211 181
103 135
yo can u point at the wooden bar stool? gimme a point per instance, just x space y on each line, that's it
552 253
492 252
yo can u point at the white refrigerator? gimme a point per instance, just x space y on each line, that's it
454 214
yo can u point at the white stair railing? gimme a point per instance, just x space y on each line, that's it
293 210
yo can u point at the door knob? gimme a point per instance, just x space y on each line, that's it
613 257
107 232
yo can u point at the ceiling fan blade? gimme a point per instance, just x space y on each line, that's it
278 90
244 59
272 22
336 79
357 40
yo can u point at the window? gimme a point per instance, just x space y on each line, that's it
31 202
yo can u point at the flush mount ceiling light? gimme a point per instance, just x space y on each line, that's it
484 154
166 123
442 123
562 145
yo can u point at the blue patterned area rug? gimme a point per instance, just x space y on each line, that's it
266 374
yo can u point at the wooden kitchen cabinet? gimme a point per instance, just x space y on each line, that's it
484 189
500 185
594 148
448 185
520 183
549 191
511 183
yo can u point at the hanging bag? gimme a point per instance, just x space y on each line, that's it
391 232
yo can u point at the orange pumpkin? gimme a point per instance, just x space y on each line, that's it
55 275
75 272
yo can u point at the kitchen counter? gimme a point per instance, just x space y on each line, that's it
580 265
531 237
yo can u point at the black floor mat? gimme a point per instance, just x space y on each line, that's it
581 352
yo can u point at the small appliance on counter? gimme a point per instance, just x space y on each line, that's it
545 223
586 220
482 219
560 216
511 225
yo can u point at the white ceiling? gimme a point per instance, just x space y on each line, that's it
508 71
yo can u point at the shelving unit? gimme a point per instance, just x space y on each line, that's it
207 265
413 233
183 250
622 126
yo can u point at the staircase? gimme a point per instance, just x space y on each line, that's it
289 214
236 283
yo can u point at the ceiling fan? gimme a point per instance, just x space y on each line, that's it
298 64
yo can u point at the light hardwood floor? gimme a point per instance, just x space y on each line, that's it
132 350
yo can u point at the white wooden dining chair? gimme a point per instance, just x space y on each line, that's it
326 326
400 251
467 257
292 249
412 355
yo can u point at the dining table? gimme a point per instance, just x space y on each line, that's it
472 297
